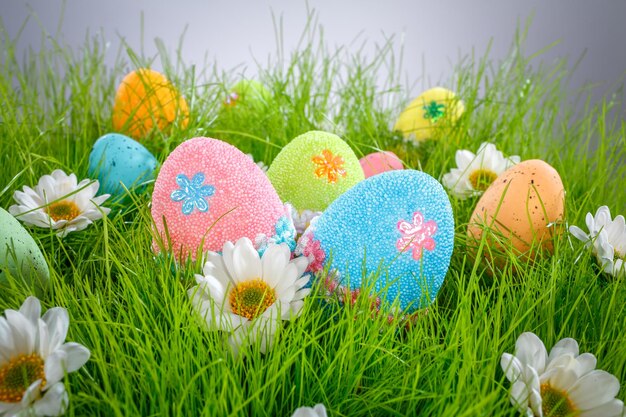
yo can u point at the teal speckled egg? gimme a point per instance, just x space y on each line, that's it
19 254
397 224
116 159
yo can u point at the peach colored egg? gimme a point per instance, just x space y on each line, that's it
209 192
520 213
379 162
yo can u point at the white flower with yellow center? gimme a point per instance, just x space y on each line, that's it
60 203
475 173
34 360
248 295
607 237
560 384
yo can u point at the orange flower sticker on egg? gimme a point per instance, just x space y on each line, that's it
145 100
329 166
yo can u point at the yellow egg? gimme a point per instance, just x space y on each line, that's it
520 213
145 100
433 108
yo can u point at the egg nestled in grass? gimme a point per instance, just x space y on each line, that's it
209 192
397 226
519 214
315 168
433 109
248 93
379 162
20 256
120 163
146 101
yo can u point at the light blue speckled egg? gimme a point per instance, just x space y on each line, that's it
117 159
399 223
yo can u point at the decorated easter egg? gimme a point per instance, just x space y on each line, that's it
519 213
378 162
145 101
120 162
428 111
209 192
19 254
314 169
398 225
248 93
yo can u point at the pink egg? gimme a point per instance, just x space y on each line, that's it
209 192
378 162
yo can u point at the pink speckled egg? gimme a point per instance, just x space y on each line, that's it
209 192
379 162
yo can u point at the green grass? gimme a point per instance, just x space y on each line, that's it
152 357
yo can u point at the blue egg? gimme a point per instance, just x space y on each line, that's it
117 159
398 225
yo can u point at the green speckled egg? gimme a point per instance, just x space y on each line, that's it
20 255
314 169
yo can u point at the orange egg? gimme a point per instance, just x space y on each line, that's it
520 213
145 100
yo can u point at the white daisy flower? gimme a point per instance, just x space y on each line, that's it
60 203
318 411
607 237
560 384
475 173
34 360
248 295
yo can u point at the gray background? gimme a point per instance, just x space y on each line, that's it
433 34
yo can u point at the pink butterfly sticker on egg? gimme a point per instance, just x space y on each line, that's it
416 235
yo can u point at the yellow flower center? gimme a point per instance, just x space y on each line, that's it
17 375
63 210
482 178
251 298
556 403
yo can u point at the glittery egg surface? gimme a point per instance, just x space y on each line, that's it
431 109
521 210
209 192
20 255
314 169
145 101
119 161
379 162
398 223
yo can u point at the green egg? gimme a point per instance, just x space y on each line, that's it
314 169
20 256
248 93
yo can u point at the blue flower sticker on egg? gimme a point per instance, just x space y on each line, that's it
119 161
193 193
398 224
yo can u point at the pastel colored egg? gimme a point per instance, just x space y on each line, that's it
249 93
519 213
397 225
120 162
434 108
209 192
379 162
315 168
145 101
20 256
